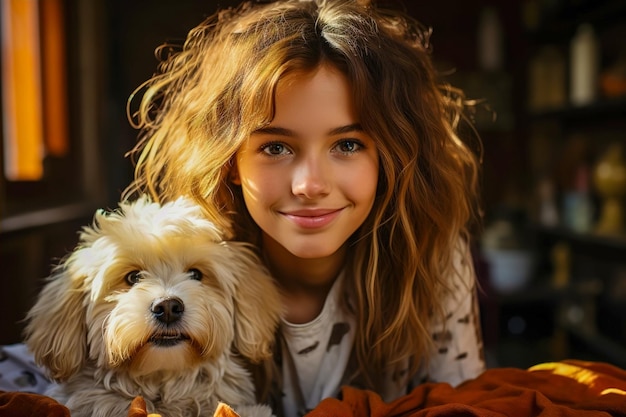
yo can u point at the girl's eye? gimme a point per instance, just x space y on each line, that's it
133 277
349 146
274 149
195 274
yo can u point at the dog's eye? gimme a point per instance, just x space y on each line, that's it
195 274
133 277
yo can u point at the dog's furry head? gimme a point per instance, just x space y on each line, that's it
152 288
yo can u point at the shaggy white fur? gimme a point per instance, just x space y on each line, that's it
153 303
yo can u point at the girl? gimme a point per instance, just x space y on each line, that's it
319 131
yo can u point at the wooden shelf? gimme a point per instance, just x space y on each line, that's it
601 109
55 215
604 246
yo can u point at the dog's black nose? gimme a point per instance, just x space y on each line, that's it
167 310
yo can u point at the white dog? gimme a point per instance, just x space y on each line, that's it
154 303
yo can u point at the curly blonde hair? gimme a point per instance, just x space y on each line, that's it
219 87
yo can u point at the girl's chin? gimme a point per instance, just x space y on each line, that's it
312 254
320 251
305 247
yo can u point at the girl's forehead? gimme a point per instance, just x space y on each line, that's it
324 92
299 87
318 83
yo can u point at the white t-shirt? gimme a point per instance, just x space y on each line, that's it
320 350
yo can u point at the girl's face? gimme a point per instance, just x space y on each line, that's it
309 178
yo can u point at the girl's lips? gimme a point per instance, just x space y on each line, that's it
312 219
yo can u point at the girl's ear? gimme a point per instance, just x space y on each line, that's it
233 174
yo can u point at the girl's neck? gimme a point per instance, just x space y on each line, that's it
304 283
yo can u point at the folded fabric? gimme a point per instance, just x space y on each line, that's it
24 404
565 389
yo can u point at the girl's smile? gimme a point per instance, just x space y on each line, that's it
312 219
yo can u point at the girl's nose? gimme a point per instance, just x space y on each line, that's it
311 179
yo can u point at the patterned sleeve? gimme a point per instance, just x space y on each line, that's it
458 342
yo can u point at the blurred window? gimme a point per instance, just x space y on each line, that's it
39 159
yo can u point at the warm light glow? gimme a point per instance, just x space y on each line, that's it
584 376
21 90
55 81
613 391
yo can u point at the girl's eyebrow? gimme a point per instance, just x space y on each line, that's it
274 130
354 127
281 131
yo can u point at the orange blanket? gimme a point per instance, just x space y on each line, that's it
565 389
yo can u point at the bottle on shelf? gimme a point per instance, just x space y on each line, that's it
578 207
584 66
610 182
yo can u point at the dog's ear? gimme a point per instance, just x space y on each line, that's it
258 309
56 328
